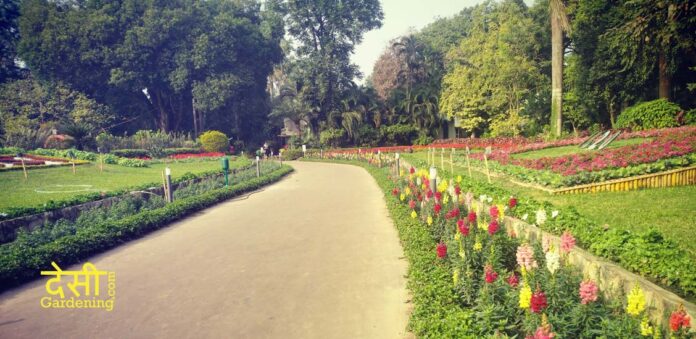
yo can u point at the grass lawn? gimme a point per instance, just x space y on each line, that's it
567 150
17 192
671 210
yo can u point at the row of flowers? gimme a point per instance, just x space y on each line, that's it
669 143
516 287
197 155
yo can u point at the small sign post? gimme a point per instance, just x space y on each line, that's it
168 178
398 168
258 168
433 179
24 166
226 169
485 160
468 163
304 150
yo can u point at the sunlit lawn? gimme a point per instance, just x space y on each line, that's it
670 210
566 150
18 192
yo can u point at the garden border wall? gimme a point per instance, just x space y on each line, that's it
677 177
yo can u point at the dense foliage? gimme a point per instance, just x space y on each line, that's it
658 113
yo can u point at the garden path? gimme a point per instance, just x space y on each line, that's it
313 256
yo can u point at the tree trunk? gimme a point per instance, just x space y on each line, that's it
556 75
665 87
161 107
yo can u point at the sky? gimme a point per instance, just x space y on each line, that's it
401 16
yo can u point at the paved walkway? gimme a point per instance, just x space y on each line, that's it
313 256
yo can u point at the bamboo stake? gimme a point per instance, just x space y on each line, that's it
452 162
164 186
442 159
24 168
468 163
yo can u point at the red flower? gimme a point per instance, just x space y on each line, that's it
513 280
412 204
491 276
462 227
395 192
457 190
493 227
429 194
454 213
441 250
472 217
438 196
494 212
512 202
679 319
420 197
412 170
437 208
538 302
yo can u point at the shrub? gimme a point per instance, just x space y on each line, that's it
658 113
182 150
423 139
215 141
367 135
130 153
132 162
690 117
11 150
332 137
292 154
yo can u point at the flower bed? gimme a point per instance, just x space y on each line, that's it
197 155
471 278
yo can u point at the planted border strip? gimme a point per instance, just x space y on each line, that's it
27 263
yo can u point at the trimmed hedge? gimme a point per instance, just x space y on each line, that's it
130 153
658 113
26 263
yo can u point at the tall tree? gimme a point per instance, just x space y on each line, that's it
326 32
559 24
9 35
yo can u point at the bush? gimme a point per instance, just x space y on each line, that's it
292 154
11 150
332 137
215 141
367 136
423 139
182 150
130 153
132 162
690 117
658 113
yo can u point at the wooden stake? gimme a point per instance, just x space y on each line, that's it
164 185
24 168
74 171
488 172
101 163
452 162
468 163
442 159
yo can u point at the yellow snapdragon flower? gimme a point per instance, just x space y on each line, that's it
636 301
430 220
414 214
525 296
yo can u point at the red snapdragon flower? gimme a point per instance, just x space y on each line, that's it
513 280
420 197
472 217
437 208
438 196
412 170
491 275
441 250
457 190
679 319
454 213
493 227
463 228
494 212
395 192
412 204
512 202
429 194
538 302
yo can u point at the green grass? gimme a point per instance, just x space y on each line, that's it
567 150
18 192
669 210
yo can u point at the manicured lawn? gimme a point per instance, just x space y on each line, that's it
51 183
566 150
671 210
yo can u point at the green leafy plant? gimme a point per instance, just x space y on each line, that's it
332 137
658 113
214 141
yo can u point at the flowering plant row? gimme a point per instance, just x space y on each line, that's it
514 287
197 155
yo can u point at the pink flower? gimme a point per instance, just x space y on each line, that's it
462 227
494 212
412 204
545 243
588 292
513 280
567 242
491 275
437 208
493 227
512 202
538 302
441 250
525 257
471 217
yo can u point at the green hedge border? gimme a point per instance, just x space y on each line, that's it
70 249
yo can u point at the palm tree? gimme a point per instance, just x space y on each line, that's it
559 23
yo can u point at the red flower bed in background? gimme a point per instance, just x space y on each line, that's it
197 155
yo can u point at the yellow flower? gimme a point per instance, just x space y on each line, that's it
501 210
462 254
645 328
457 236
478 246
423 187
402 197
442 187
414 214
455 276
482 225
445 199
459 179
430 220
525 296
636 301
407 190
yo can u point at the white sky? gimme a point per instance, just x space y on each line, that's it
399 17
